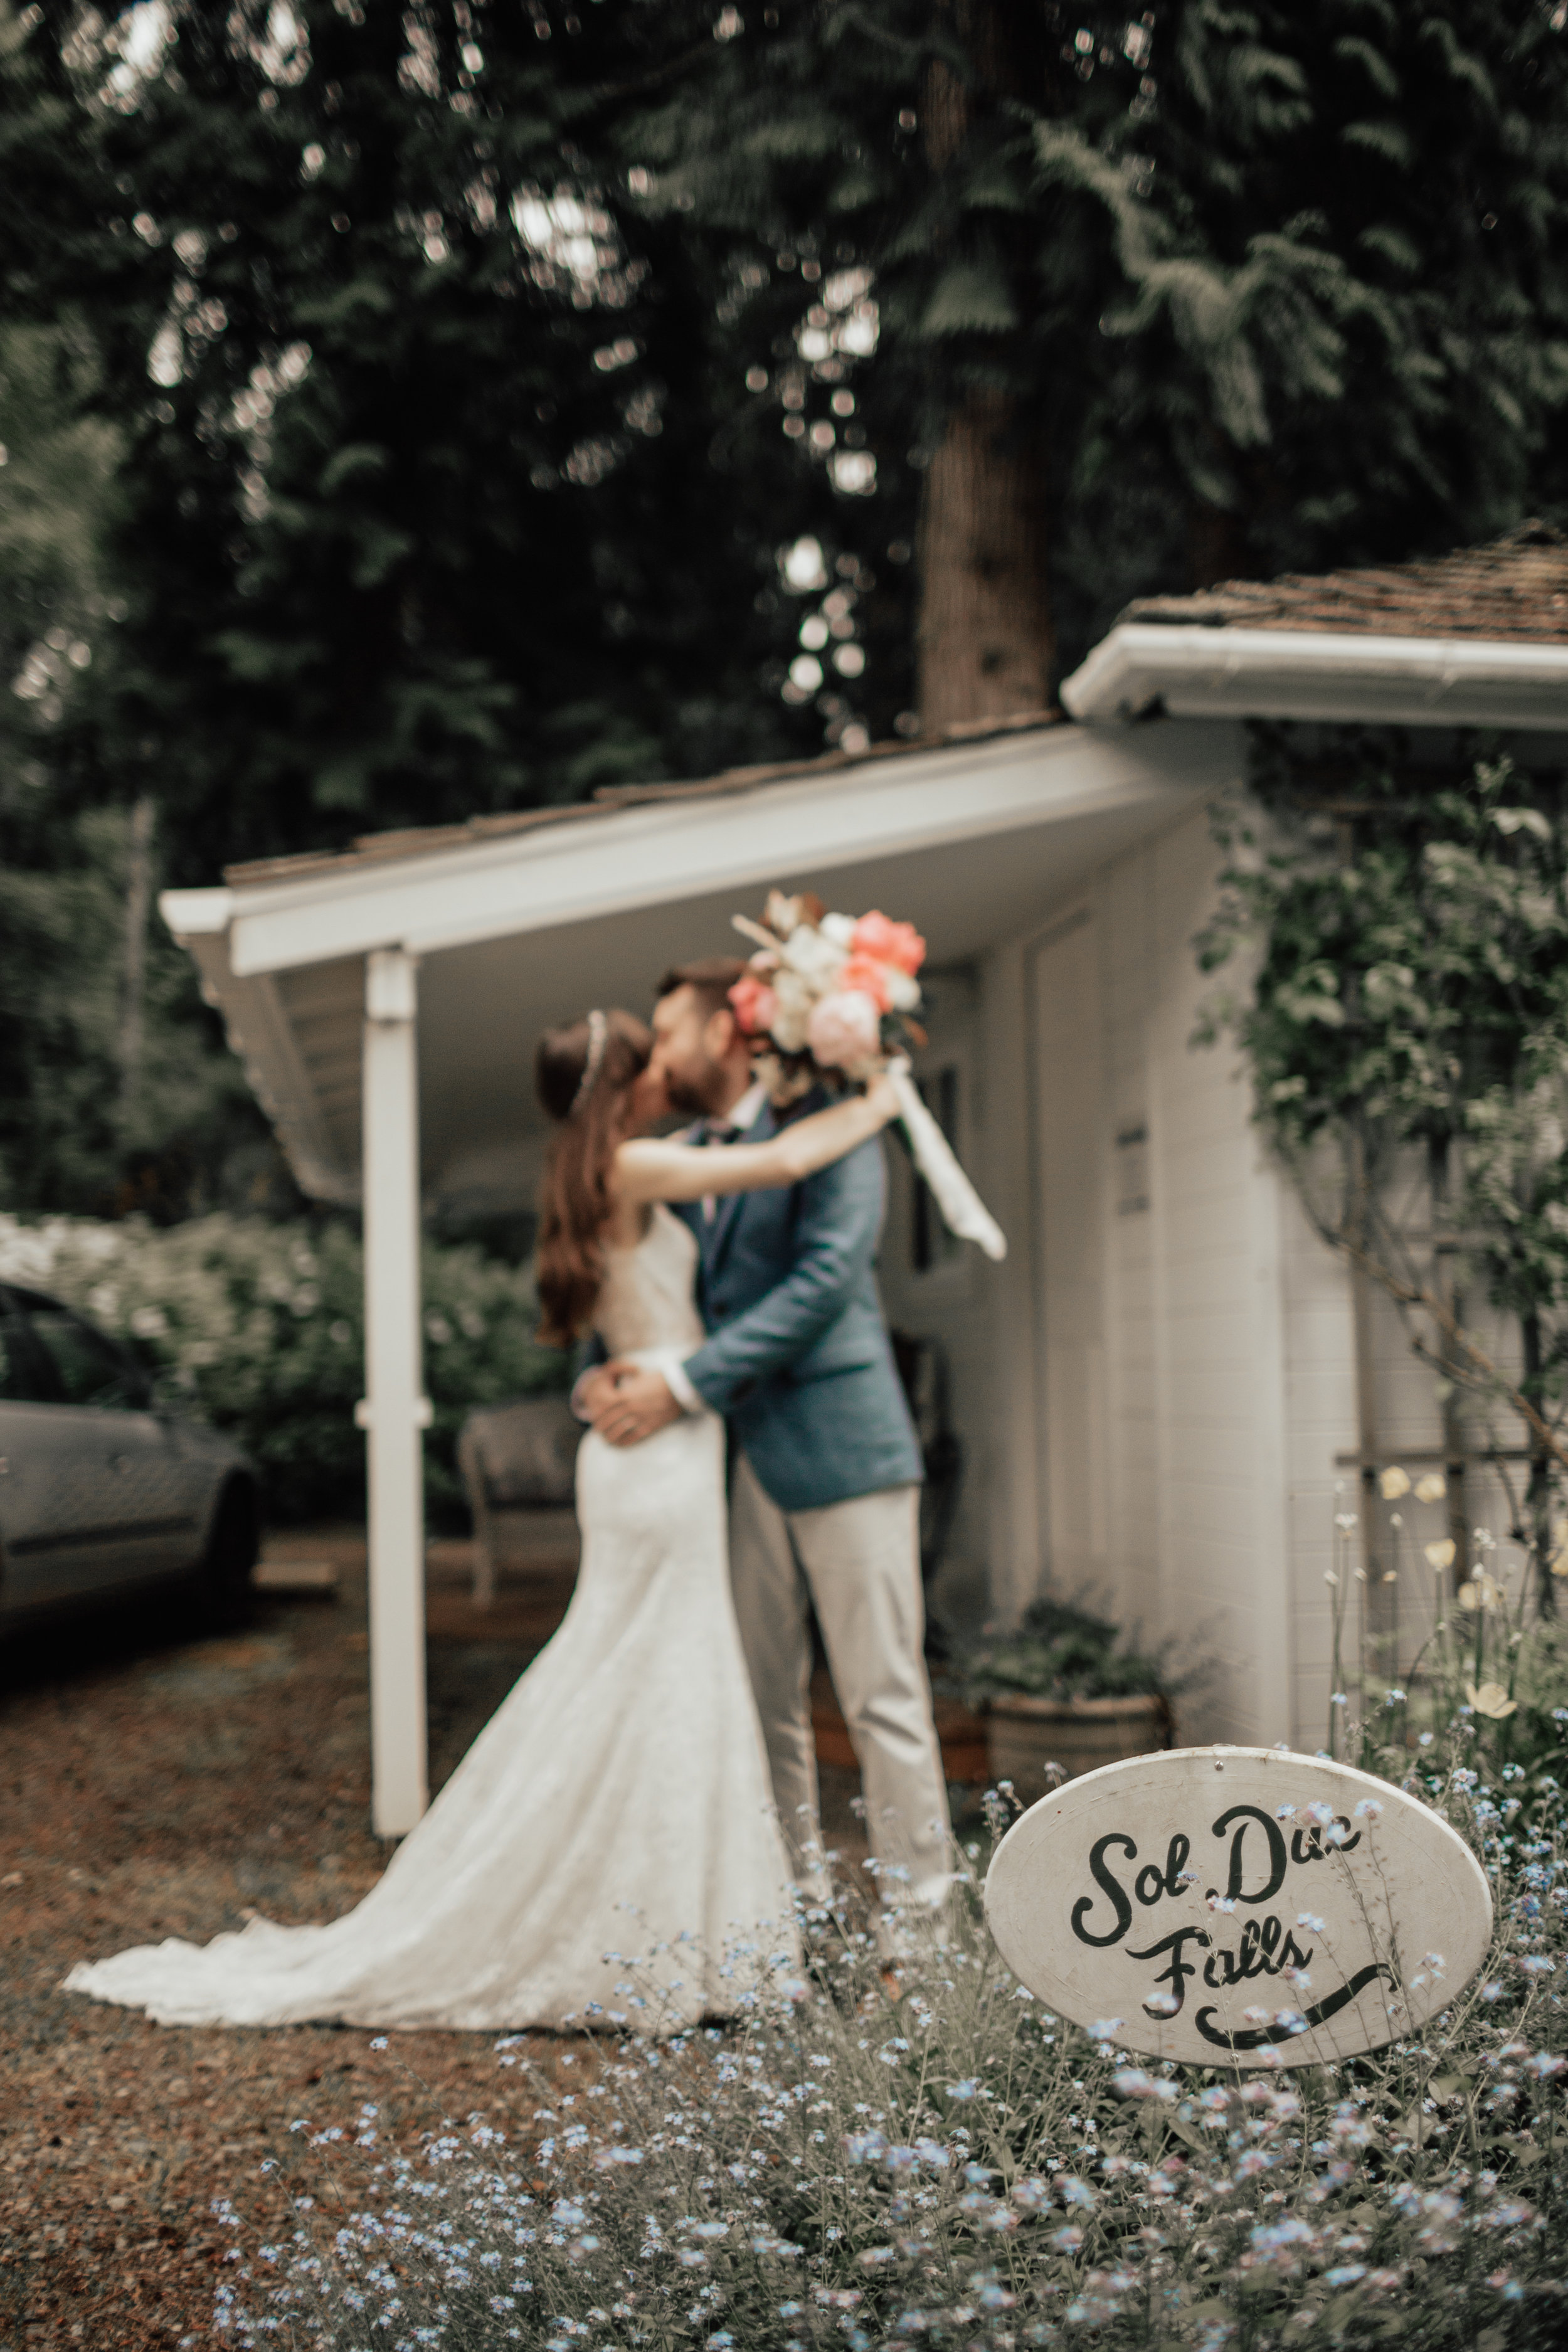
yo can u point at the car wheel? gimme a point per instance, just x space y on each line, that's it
224 1579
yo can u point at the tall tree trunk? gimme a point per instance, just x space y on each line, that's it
137 907
1216 546
985 641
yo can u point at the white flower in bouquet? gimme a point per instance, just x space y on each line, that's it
812 954
793 998
845 1030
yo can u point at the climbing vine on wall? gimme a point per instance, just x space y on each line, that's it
1406 1022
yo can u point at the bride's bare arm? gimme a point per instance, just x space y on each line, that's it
646 1170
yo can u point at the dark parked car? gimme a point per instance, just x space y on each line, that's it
101 1489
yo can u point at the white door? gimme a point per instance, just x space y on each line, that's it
1071 1177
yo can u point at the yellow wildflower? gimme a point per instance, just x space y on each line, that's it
1491 1699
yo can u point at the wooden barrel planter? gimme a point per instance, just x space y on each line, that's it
1028 1734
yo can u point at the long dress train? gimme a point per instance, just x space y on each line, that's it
609 1840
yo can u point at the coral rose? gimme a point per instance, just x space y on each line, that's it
868 979
756 1006
844 1028
900 944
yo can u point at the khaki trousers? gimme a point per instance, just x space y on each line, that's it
859 1563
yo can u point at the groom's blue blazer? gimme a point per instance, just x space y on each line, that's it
798 1357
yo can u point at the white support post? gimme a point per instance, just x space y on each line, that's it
395 1410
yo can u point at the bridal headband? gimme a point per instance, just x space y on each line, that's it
598 1037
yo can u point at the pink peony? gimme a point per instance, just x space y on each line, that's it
844 1028
756 1006
863 977
878 936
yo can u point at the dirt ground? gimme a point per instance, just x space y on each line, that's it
155 1783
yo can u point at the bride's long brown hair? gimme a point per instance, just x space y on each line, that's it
584 1074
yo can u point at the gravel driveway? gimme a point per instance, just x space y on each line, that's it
156 1784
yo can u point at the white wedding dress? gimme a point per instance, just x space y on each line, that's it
617 1804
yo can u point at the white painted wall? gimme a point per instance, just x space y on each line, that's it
1068 1034
1137 1354
1154 1397
1151 1400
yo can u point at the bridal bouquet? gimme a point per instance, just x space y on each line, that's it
835 995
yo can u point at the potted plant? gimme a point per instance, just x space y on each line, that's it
1062 1695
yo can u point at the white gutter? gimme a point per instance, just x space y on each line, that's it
1192 672
196 914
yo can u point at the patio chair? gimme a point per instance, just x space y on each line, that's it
519 1463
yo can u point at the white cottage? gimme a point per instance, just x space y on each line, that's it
1154 1395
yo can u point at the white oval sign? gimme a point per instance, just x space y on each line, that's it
1212 1904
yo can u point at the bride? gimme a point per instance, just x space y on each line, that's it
617 1803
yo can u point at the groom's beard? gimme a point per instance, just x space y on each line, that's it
696 1097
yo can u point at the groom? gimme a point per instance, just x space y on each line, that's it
825 1490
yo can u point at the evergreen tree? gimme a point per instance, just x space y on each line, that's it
115 1091
1217 288
1386 189
477 360
421 519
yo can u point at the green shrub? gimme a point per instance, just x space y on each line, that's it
259 1329
1062 1651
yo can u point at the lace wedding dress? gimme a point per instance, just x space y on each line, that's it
617 1804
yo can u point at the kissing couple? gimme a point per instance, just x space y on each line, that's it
636 1822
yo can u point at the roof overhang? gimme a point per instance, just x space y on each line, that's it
648 855
974 841
1195 672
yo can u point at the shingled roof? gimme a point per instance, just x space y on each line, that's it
420 841
1512 590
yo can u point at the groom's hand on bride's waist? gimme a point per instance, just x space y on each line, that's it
626 1402
593 1391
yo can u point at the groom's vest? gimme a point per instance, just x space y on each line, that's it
797 1357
